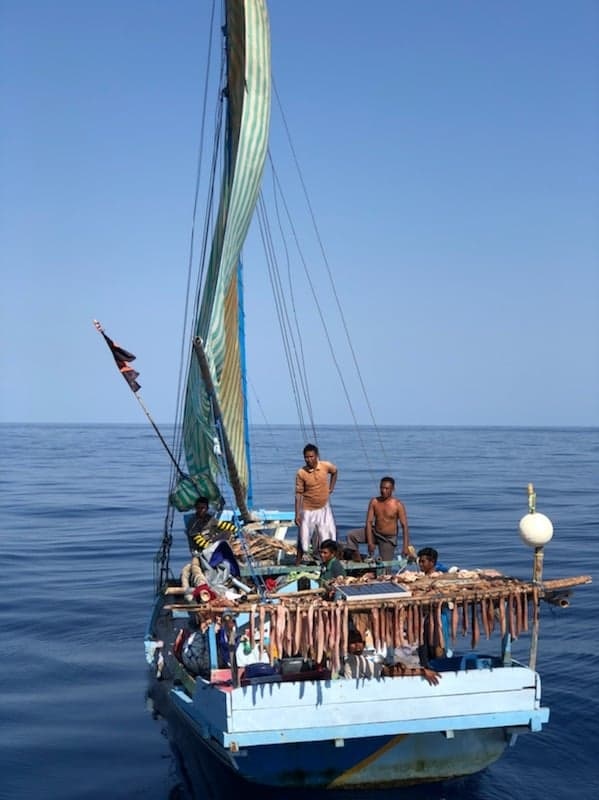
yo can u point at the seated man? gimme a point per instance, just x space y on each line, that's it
196 524
331 566
356 664
427 561
250 652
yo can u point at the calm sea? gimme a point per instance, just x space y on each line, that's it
82 516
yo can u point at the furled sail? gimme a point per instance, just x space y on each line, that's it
215 403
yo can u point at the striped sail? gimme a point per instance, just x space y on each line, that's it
220 317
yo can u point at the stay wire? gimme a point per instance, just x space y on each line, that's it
163 555
185 350
279 307
299 387
326 332
299 350
189 334
330 275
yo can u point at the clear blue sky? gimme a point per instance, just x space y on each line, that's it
451 153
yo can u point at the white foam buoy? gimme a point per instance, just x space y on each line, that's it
535 529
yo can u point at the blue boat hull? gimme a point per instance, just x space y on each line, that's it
340 734
378 762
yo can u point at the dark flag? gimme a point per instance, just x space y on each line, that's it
122 358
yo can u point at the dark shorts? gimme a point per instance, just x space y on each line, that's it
386 545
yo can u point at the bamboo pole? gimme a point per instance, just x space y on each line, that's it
470 594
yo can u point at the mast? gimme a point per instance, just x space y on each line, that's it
218 389
244 384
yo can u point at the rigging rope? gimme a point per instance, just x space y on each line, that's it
325 327
162 556
301 362
186 353
331 279
295 367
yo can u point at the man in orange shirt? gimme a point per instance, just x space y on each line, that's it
314 483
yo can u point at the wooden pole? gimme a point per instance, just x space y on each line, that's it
470 594
537 574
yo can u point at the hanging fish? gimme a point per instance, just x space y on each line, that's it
310 631
396 629
298 630
525 612
439 624
511 616
376 628
410 624
455 618
502 620
419 624
491 615
290 630
475 626
402 625
345 638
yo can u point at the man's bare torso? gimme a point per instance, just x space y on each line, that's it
386 515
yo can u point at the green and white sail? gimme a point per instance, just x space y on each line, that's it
220 316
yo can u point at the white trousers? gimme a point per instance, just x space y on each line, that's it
318 524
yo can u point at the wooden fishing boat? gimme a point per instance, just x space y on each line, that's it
255 663
297 721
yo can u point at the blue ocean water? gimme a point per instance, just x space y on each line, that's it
82 517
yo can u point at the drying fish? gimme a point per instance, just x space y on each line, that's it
511 616
475 626
402 625
502 621
454 622
439 625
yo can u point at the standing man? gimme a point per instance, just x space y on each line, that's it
314 482
385 514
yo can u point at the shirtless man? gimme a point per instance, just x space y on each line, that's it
385 514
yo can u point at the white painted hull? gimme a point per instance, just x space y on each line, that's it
336 734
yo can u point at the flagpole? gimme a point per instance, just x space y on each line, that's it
160 436
122 357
